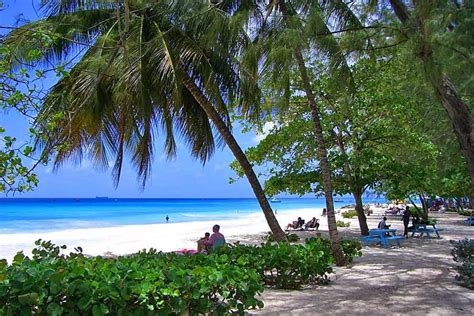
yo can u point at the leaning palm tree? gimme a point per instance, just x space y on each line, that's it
287 31
159 66
291 22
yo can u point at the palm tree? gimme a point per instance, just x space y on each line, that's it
146 67
283 38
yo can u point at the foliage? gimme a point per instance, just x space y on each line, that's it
463 254
343 224
349 214
145 283
151 282
291 266
21 91
269 237
465 212
351 248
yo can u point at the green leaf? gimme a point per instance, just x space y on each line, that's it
28 299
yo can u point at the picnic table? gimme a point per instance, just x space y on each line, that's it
381 236
422 229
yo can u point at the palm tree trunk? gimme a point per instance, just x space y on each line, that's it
239 155
323 161
458 112
364 229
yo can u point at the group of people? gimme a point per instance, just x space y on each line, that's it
209 242
299 223
406 221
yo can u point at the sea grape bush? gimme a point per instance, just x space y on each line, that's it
291 266
342 224
463 254
269 237
156 283
142 284
349 214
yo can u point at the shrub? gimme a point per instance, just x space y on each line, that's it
465 212
288 266
284 265
141 284
463 254
349 214
342 224
269 237
351 248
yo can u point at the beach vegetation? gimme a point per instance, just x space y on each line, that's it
290 237
439 35
21 94
343 224
148 282
292 266
349 214
465 212
463 255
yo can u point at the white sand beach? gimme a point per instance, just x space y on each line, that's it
415 279
127 239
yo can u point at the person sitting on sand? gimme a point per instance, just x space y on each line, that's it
296 224
201 242
216 240
383 224
313 223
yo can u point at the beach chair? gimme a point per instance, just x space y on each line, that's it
312 226
296 225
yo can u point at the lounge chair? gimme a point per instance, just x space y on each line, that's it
298 224
312 224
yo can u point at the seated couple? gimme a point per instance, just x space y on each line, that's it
298 224
210 243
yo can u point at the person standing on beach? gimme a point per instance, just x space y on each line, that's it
167 218
406 221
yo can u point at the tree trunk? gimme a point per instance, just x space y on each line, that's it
461 120
239 155
323 161
322 152
424 203
364 229
458 112
413 203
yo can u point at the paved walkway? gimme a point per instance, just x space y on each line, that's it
416 279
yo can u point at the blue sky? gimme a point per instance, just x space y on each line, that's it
180 178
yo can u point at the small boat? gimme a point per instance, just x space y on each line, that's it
338 200
275 200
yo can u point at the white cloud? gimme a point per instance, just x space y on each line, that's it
265 131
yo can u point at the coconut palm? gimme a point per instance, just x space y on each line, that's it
146 67
285 33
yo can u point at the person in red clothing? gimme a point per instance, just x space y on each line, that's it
216 240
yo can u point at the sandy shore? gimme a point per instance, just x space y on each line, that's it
415 279
128 239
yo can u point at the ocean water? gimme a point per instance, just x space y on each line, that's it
39 215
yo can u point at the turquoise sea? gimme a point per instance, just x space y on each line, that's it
39 215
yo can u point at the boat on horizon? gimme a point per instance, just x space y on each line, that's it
275 200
